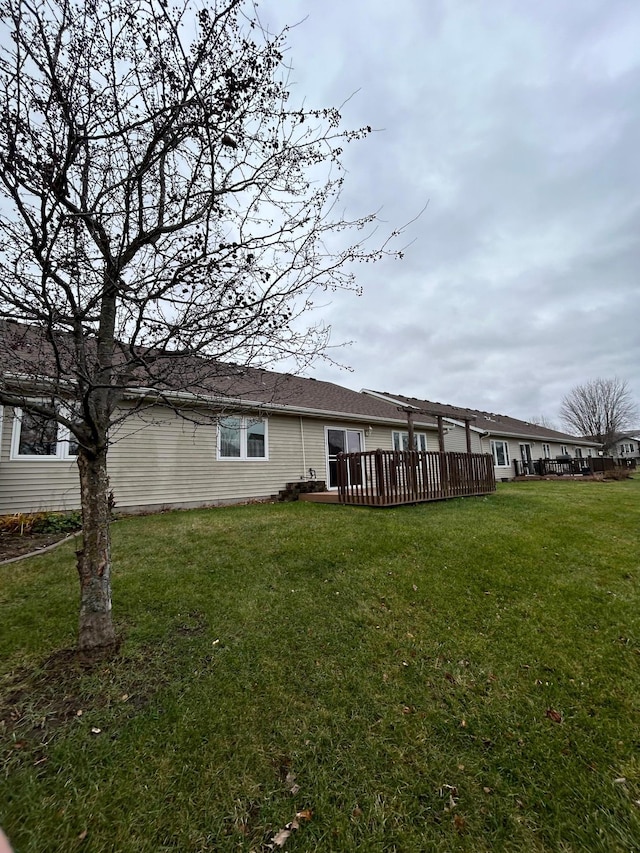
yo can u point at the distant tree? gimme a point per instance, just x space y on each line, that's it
543 421
600 408
162 199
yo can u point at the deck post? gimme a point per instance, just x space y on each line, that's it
380 477
440 434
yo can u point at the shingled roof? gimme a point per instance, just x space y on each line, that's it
28 358
490 422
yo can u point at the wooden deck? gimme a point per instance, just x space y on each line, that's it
392 478
321 497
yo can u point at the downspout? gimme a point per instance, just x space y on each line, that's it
304 455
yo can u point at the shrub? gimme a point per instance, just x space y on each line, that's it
25 523
618 473
55 522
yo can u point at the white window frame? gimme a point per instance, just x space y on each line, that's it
546 451
421 438
63 438
244 425
505 444
564 450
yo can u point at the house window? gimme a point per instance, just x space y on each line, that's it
401 441
578 453
36 436
546 451
563 450
242 438
500 451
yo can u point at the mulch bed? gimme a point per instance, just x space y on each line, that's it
17 546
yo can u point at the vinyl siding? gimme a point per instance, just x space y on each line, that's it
32 485
172 461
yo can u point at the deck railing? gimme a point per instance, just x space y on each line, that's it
579 465
392 477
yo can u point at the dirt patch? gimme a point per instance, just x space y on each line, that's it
14 545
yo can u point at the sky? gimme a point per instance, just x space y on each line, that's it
518 124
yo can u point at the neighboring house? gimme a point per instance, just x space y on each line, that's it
505 438
626 445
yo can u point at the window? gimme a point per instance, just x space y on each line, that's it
500 451
578 453
563 450
546 451
401 440
35 436
242 438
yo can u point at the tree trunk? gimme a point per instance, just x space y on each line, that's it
94 559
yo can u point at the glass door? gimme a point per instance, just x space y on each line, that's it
343 441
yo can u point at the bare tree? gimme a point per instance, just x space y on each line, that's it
543 421
600 408
165 207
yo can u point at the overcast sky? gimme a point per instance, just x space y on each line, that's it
519 123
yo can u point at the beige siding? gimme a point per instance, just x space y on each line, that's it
455 440
31 485
172 461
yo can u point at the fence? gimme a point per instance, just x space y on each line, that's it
393 477
585 466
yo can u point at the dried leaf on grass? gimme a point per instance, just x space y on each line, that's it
292 785
554 716
282 836
460 823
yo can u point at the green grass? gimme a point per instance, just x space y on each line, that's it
402 664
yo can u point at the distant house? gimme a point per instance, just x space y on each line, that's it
626 445
507 439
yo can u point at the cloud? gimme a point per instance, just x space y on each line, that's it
520 123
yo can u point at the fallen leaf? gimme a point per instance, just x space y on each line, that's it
487 790
280 838
357 812
463 724
305 814
555 716
619 781
459 823
83 835
95 730
124 697
79 713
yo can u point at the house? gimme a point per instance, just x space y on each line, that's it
232 434
245 439
507 439
626 445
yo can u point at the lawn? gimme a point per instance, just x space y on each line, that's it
460 676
